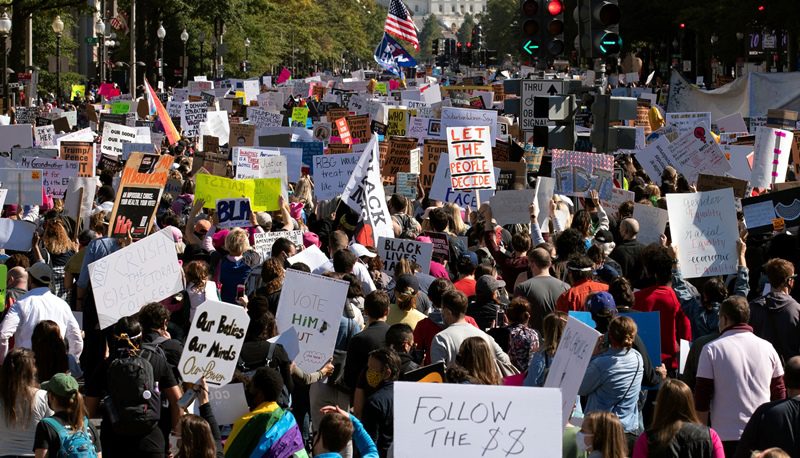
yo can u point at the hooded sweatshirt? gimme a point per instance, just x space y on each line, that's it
776 318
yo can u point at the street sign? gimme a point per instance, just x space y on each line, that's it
543 87
91 41
530 90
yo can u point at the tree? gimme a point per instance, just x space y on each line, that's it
464 34
431 30
501 26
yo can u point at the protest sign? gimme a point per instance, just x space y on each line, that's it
143 272
289 341
406 185
577 172
652 222
618 197
322 131
570 362
686 122
397 122
359 128
265 240
511 207
331 173
299 117
211 188
228 403
214 342
134 211
697 151
706 182
392 250
264 118
3 195
649 329
233 213
114 135
16 235
731 123
44 136
242 135
364 192
310 150
79 199
398 158
81 152
465 117
56 173
312 304
17 154
147 169
470 158
513 175
247 161
15 136
685 347
771 159
432 151
3 282
437 419
266 194
760 211
192 114
704 226
312 256
344 131
24 186
275 167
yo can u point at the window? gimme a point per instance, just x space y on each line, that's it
453 9
470 8
416 8
440 8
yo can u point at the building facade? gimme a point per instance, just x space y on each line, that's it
450 13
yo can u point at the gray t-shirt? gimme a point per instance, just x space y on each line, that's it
18 439
542 293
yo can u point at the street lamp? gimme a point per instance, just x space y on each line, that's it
161 33
5 29
100 31
58 28
201 37
184 39
246 56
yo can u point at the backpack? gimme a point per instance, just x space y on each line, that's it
249 369
134 403
77 444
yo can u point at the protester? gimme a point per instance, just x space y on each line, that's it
383 369
579 273
476 362
373 337
199 288
336 429
51 352
69 418
542 290
197 435
485 308
404 310
539 365
23 403
400 339
602 436
776 316
523 341
628 253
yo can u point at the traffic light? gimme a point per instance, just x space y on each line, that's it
477 37
531 27
435 48
605 109
605 37
554 32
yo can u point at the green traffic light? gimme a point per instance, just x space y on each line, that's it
529 47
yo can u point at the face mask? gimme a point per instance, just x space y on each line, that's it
173 444
374 378
580 440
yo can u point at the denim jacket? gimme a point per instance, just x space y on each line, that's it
705 320
612 383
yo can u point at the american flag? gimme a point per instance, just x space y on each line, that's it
399 23
120 22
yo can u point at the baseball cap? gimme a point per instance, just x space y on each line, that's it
406 282
604 236
469 256
488 284
41 272
62 385
602 304
360 250
263 218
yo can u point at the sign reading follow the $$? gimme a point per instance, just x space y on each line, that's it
435 419
214 342
145 271
312 304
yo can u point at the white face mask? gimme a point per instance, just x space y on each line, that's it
173 444
580 440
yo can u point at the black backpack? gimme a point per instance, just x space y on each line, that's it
249 369
134 402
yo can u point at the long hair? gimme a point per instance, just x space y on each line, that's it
477 358
17 378
197 274
74 407
55 237
674 407
196 438
454 213
50 351
608 437
552 329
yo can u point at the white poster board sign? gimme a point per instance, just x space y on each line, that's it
145 271
24 185
44 136
685 122
463 117
265 240
771 160
470 158
392 250
16 235
56 173
476 421
704 226
331 173
114 135
570 363
234 213
79 198
652 222
214 342
312 304
312 256
511 207
228 403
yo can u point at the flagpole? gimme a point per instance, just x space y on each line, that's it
133 49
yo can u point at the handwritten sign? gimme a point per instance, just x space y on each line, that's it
685 122
114 136
771 160
331 173
570 362
192 114
143 272
344 131
56 173
652 222
83 153
392 250
44 136
511 207
704 226
265 240
398 122
436 419
299 117
406 184
697 151
312 304
233 213
578 172
470 158
264 118
463 117
214 342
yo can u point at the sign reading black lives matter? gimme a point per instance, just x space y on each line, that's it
214 343
392 250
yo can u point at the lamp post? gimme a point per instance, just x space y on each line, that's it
184 39
246 56
58 28
161 33
201 37
100 31
5 29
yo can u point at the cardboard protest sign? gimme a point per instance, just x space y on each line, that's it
114 135
441 190
79 199
392 250
331 173
56 173
247 161
513 175
570 363
145 271
81 152
470 158
432 151
214 342
242 135
17 154
464 117
398 158
343 131
437 419
706 182
359 128
134 211
312 304
265 240
264 118
760 211
771 160
266 194
299 116
192 114
44 136
704 226
578 172
233 213
17 135
312 256
652 222
511 207
731 123
24 186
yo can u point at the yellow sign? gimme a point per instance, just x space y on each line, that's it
262 192
398 122
78 91
382 88
300 116
267 192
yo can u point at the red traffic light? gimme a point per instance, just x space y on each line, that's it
683 26
530 8
469 44
555 7
458 44
761 8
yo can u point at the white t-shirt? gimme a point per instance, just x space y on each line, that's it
18 440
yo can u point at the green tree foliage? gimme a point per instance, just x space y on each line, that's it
501 26
431 30
464 34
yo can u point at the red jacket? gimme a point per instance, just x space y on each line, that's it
675 324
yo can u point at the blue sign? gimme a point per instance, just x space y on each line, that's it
310 149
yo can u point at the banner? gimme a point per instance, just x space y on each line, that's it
578 172
364 192
392 250
134 211
470 158
312 304
331 173
143 272
214 343
263 193
233 213
391 55
704 226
